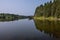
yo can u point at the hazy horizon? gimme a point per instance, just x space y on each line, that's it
20 7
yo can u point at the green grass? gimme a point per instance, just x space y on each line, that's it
47 18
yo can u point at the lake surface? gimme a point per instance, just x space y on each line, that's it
25 29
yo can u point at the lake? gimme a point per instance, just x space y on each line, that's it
25 29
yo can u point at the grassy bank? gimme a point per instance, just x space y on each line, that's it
47 18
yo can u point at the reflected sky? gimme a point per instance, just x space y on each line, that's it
24 29
30 29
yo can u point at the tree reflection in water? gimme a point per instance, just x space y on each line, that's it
50 27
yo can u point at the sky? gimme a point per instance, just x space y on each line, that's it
20 7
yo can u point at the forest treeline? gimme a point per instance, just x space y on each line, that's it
49 9
8 16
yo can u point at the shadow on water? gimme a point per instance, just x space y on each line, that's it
49 27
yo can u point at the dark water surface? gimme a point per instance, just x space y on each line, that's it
25 29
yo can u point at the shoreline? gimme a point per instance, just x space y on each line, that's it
47 18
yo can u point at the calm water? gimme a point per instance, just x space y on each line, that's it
25 29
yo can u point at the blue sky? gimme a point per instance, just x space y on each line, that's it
20 7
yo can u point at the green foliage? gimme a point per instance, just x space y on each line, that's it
39 11
49 9
7 16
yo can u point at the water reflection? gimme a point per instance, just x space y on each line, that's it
25 29
49 27
7 20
